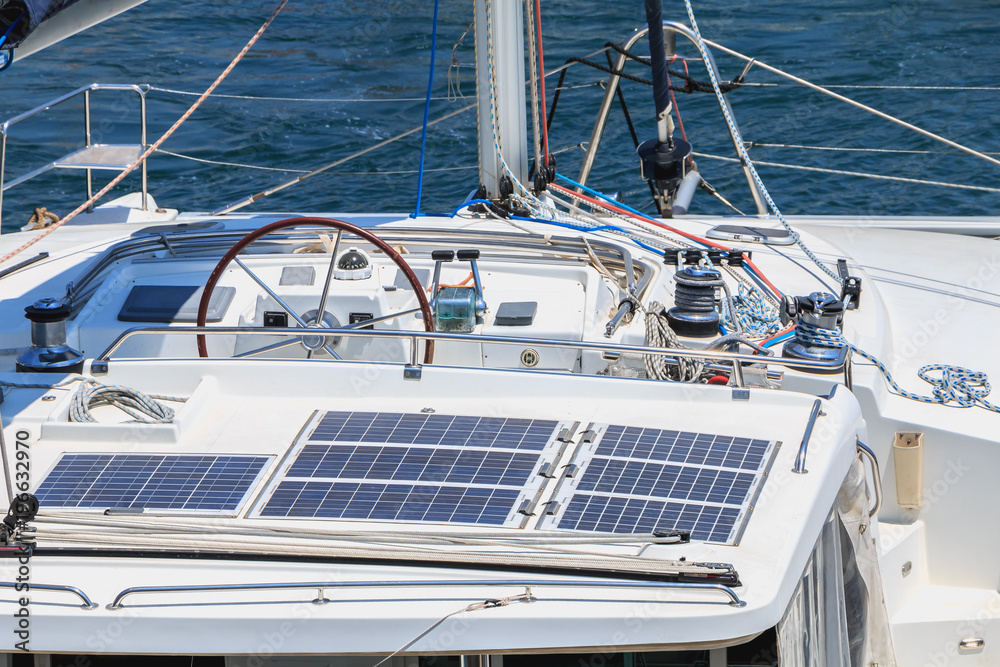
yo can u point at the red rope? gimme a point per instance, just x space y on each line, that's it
541 79
649 221
622 211
149 151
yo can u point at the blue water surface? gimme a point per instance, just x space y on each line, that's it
373 57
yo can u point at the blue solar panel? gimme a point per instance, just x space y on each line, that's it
417 464
150 481
434 429
391 502
411 467
642 479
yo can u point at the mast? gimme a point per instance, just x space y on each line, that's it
500 61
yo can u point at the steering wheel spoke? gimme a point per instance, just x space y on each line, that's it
320 319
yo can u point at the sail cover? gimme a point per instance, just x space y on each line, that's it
41 23
29 14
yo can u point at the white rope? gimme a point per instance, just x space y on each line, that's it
659 334
143 408
866 87
744 154
860 174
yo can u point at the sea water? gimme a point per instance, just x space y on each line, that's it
355 73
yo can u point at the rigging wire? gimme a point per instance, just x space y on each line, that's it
326 100
427 109
847 149
860 174
826 91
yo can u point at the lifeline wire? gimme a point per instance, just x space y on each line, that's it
860 174
427 108
744 154
837 96
149 151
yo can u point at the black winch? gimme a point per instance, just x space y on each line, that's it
694 313
49 352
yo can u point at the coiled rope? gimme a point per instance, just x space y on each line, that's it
149 151
961 386
659 334
143 408
753 314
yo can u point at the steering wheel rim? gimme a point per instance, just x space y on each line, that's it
238 247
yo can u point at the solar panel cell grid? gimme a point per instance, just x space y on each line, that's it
644 479
168 482
411 467
391 502
433 429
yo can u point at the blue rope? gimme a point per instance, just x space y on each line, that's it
427 109
756 316
600 228
962 386
10 29
613 201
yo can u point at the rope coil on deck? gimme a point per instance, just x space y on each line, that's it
961 386
144 408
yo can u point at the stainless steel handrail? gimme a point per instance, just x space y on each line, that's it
416 336
609 95
800 458
865 450
734 599
514 242
87 602
85 91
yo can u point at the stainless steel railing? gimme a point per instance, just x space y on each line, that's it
87 602
413 366
734 599
87 135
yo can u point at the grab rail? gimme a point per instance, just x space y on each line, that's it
800 458
87 602
865 450
139 90
734 599
100 364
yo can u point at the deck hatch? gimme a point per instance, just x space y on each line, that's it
150 482
639 480
413 467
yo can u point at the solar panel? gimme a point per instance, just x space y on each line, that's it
637 480
150 481
434 429
391 502
412 467
417 464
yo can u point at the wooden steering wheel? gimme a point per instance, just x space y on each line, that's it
240 245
